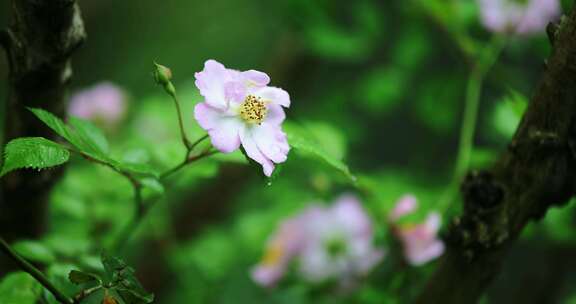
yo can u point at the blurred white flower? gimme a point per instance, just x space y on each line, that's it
522 17
327 242
103 104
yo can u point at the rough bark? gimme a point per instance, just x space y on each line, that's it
38 45
537 172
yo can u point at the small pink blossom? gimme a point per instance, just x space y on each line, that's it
420 242
239 108
104 104
519 17
327 242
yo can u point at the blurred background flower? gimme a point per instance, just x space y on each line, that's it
518 16
104 104
378 90
328 243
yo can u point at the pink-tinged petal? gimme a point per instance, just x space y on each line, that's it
103 103
433 222
348 211
251 148
274 95
365 255
405 205
256 78
225 138
80 107
421 242
536 15
267 276
211 81
420 256
235 91
275 115
271 141
507 16
223 129
283 246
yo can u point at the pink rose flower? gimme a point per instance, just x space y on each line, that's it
104 104
239 108
327 242
420 242
519 17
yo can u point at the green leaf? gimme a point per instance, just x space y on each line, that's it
303 141
33 152
80 277
55 123
508 113
34 251
124 281
19 288
153 184
91 135
89 140
58 275
82 135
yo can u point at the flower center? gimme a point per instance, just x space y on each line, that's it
335 247
274 255
253 109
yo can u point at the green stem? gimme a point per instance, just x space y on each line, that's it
186 162
486 59
126 234
35 273
189 146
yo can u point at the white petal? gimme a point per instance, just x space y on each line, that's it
223 129
254 153
274 95
271 141
210 82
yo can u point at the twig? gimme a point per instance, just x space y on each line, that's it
78 298
145 206
35 273
189 146
483 64
186 162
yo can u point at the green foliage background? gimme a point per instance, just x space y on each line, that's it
379 85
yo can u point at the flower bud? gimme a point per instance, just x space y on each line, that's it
162 76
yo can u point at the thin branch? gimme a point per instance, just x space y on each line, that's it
198 141
186 162
35 273
145 206
78 298
483 63
189 146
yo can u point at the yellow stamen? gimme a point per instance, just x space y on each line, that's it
253 109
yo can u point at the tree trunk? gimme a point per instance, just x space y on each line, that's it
537 172
38 45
